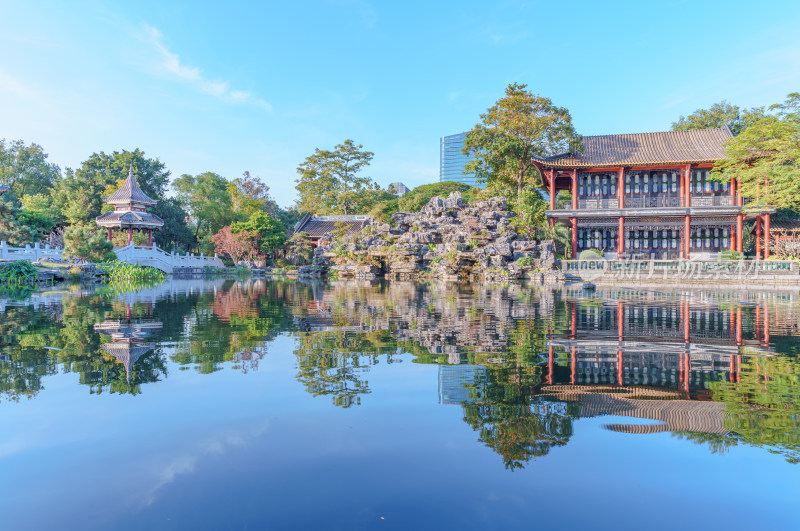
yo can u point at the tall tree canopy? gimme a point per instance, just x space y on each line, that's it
513 130
271 232
329 183
207 199
765 158
719 114
24 168
79 195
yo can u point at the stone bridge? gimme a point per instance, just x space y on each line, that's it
166 262
131 254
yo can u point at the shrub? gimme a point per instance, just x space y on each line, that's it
18 272
120 271
526 261
729 254
590 254
86 242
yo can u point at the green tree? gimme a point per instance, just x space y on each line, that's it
512 132
175 234
87 242
765 158
299 248
25 170
417 198
271 232
250 195
208 201
329 183
37 224
11 230
79 195
719 114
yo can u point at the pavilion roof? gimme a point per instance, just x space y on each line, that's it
645 149
318 226
127 353
129 192
129 218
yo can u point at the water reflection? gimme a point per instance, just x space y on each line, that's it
522 363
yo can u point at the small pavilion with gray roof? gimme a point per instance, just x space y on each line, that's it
130 211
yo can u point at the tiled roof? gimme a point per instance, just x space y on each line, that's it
639 149
129 218
3 189
316 227
785 225
129 192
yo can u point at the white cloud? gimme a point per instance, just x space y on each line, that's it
168 63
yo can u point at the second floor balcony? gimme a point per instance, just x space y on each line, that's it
647 201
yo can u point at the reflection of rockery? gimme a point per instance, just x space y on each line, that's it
127 339
443 318
671 346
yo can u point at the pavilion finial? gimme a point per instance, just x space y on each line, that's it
130 171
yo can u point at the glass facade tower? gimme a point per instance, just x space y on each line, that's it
452 160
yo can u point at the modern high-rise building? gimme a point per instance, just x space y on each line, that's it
452 160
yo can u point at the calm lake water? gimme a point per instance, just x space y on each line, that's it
291 405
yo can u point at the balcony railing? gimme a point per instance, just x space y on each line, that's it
648 201
711 200
652 201
588 204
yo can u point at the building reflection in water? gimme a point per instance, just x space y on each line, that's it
128 337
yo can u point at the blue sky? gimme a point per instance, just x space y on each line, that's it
228 87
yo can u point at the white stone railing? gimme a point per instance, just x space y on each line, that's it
167 262
29 252
683 269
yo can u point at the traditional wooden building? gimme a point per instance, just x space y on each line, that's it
648 195
318 226
130 211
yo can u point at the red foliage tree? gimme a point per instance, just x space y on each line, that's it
237 246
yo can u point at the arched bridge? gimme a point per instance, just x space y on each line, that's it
166 262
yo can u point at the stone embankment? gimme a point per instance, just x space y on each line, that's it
445 240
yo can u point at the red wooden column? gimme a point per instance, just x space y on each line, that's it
687 322
739 198
739 327
552 189
620 321
766 235
758 237
108 233
733 191
687 186
732 238
149 237
687 240
575 189
550 364
682 186
573 363
739 221
621 237
621 187
130 235
574 222
573 324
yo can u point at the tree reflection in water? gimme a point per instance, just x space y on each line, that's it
701 364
